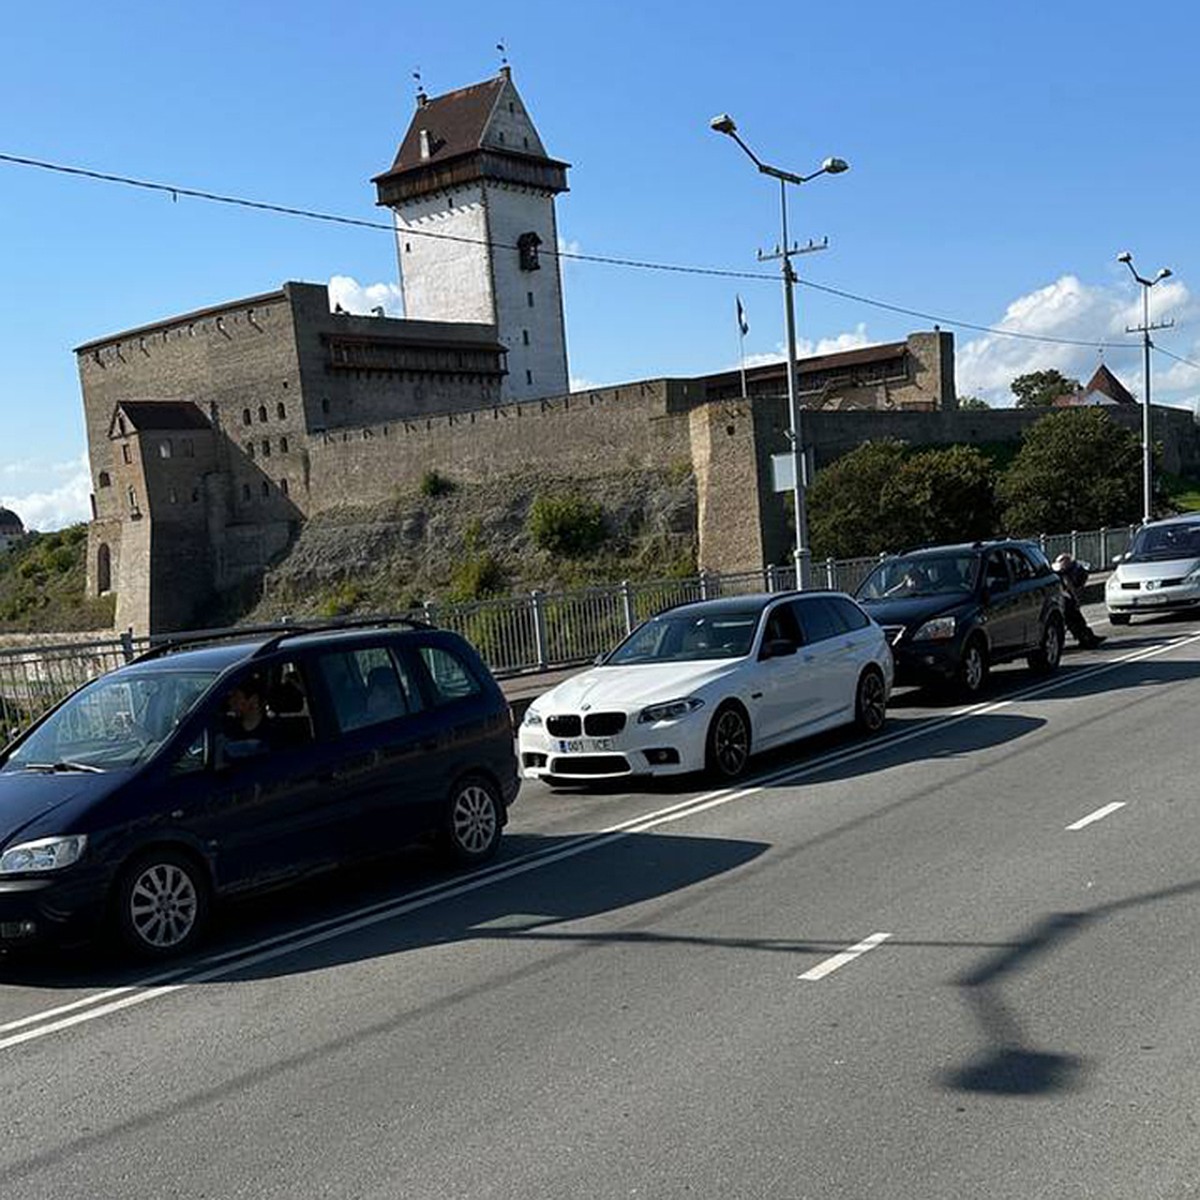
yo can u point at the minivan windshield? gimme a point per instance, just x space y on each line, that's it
118 721
920 575
684 636
1177 540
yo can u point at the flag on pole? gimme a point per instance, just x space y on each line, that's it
743 325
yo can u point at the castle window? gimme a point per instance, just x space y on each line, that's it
164 448
529 299
262 412
121 426
525 336
283 486
408 247
195 495
250 449
529 377
527 250
283 445
280 410
325 404
92 502
245 491
501 137
266 488
104 480
131 495
103 569
125 455
525 142
266 447
246 416
189 449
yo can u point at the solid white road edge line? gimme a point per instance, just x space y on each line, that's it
230 961
1098 815
840 960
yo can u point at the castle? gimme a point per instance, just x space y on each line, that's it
213 435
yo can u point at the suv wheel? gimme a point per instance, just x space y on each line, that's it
473 819
1048 655
162 904
972 668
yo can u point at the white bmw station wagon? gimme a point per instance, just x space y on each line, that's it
703 686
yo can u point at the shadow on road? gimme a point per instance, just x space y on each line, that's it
1009 1065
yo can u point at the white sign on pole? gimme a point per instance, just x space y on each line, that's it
783 472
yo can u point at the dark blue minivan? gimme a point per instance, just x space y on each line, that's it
201 772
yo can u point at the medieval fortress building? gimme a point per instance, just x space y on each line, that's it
213 435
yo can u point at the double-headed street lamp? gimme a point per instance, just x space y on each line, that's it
831 166
1144 329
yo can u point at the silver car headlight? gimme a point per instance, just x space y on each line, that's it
937 630
46 854
669 710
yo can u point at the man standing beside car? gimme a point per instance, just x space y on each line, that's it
1073 576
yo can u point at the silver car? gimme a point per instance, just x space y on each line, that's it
1159 573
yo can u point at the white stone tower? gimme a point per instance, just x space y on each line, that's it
473 171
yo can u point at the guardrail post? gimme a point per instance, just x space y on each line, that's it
1104 563
127 644
830 574
539 629
427 612
627 605
703 585
772 577
1074 544
1042 542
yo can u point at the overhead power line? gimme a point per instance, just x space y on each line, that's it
176 190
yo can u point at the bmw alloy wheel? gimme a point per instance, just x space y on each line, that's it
871 707
728 743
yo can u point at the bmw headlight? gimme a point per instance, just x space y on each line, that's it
533 718
671 710
46 854
937 630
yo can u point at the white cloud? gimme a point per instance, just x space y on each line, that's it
1069 308
360 299
807 348
579 384
55 507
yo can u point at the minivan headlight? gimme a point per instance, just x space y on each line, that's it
46 854
670 710
937 630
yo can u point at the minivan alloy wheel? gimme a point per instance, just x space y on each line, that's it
163 903
473 820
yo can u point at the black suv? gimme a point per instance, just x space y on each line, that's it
199 772
952 612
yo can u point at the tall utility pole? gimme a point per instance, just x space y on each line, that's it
802 555
1145 329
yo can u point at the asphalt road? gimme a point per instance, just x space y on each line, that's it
935 964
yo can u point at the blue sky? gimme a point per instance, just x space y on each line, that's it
1001 155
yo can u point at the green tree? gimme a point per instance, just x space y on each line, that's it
883 496
1039 389
1076 469
973 404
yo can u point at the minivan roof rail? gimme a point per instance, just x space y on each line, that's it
188 641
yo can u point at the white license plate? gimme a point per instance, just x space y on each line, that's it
585 745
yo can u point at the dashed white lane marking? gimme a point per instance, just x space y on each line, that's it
840 960
1098 815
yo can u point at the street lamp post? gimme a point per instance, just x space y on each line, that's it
1144 329
831 166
